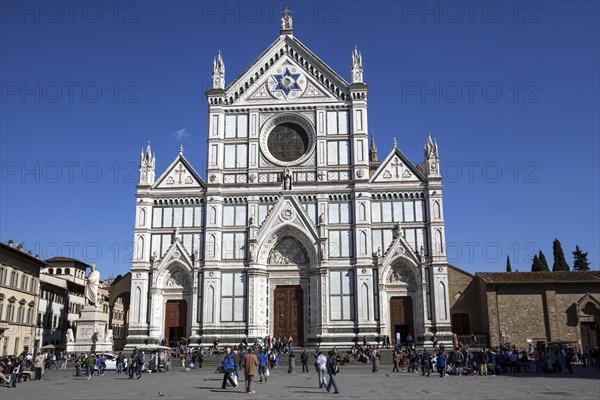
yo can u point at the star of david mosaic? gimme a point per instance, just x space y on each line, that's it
286 82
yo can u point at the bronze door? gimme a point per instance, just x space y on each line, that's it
590 334
461 324
401 316
289 313
175 321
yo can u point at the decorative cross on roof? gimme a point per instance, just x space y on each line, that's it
180 171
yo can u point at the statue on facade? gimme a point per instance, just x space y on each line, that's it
91 287
286 20
70 336
109 336
287 179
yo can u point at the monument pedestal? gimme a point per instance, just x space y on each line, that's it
91 333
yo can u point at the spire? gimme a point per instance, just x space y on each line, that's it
395 144
373 160
218 75
373 150
147 165
432 159
356 70
286 22
181 149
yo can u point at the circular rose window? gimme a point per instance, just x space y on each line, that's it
287 139
287 142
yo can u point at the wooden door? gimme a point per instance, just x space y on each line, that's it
289 313
590 334
461 324
401 317
175 321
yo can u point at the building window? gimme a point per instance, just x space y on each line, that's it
236 156
232 297
10 312
24 282
234 246
1 308
339 213
337 152
341 295
3 273
173 217
236 126
20 314
340 243
30 315
14 279
234 215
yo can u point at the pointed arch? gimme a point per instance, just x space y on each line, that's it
138 303
439 244
363 242
139 250
437 211
442 297
210 304
364 304
142 217
213 215
362 211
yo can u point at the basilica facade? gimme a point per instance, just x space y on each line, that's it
298 229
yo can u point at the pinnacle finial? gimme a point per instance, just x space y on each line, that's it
286 21
395 144
181 149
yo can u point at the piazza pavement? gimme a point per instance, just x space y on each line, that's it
355 381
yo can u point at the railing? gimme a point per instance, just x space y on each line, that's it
474 341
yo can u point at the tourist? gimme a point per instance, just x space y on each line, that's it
90 361
262 365
39 366
304 361
426 362
16 371
120 364
139 364
395 360
441 364
321 366
332 370
228 369
250 364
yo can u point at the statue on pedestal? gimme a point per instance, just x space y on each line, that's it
91 287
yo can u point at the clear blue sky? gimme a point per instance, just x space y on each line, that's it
509 90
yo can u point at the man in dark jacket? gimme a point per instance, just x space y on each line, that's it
332 370
426 362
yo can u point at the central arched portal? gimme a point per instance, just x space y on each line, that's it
288 256
175 321
401 316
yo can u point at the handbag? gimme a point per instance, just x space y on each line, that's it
192 365
337 368
267 373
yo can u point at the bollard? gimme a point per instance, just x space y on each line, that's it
292 368
375 364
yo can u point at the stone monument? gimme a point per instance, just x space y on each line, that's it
92 330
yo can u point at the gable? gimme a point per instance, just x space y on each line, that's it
287 81
397 168
180 174
314 79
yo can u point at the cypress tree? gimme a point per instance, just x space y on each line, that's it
543 262
580 261
508 268
560 264
536 266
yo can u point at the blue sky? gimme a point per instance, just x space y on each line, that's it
510 90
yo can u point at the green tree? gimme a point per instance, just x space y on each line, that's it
580 261
560 264
508 268
537 265
545 266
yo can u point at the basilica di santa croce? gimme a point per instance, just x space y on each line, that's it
298 228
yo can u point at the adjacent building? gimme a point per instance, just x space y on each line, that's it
19 288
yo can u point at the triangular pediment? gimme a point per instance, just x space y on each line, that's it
286 72
287 218
176 253
397 168
180 174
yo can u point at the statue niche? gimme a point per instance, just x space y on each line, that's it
288 251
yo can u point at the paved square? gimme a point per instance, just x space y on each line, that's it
355 381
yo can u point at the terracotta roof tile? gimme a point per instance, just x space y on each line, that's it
540 277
